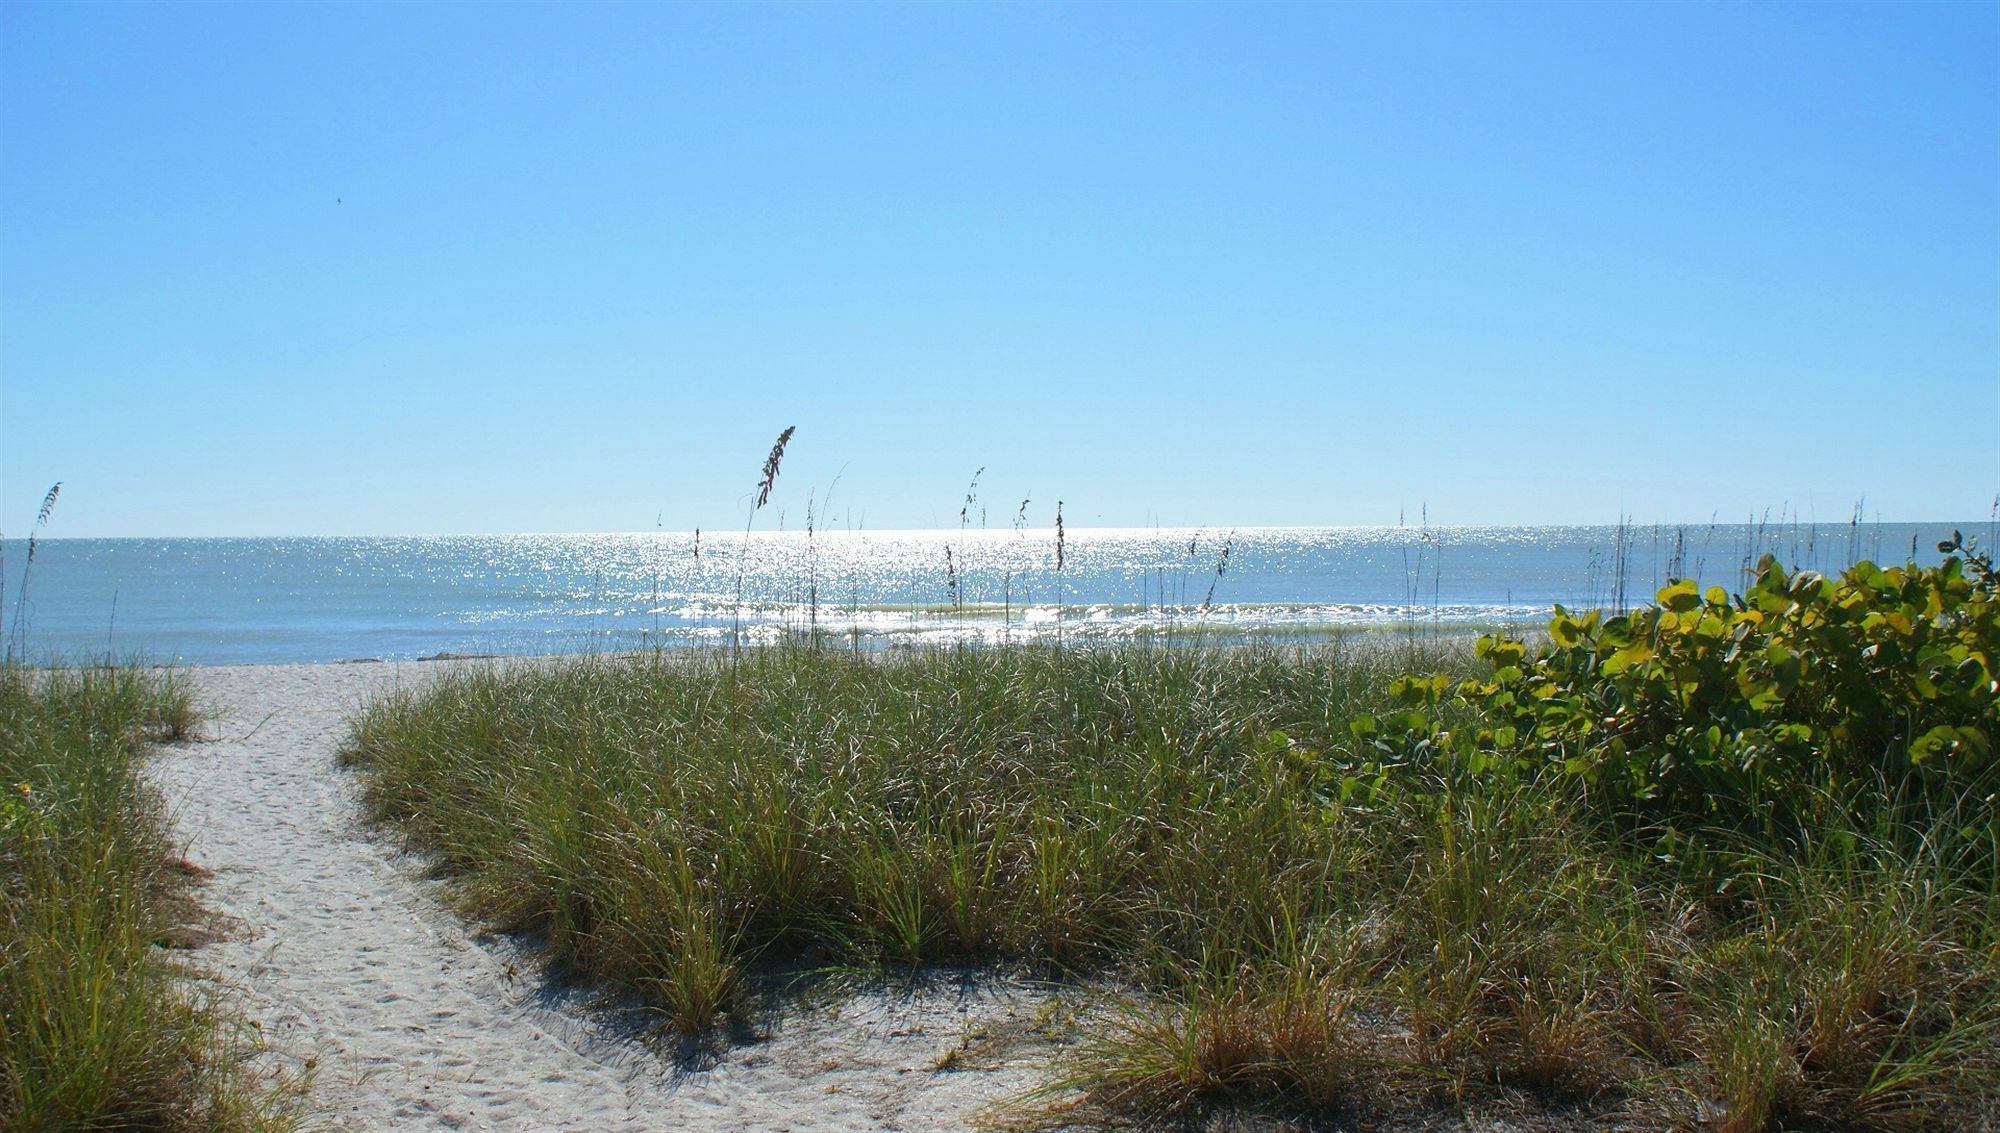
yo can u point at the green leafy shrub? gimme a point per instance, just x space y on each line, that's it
1748 711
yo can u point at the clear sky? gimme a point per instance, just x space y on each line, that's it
279 268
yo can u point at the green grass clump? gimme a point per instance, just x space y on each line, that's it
1061 807
1298 915
97 1028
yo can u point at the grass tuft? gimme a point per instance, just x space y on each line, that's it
99 1029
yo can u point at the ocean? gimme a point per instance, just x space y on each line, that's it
263 600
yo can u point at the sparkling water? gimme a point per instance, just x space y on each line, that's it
221 601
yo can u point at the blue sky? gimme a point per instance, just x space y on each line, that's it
281 269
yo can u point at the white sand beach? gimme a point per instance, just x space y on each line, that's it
343 954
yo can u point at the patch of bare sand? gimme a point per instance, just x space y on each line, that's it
343 954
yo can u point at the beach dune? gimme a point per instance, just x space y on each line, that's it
343 954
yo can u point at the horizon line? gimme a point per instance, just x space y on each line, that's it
1072 529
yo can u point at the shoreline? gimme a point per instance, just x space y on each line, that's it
261 601
1370 635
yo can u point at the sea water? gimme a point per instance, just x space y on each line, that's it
227 601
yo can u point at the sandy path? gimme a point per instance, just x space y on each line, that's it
343 956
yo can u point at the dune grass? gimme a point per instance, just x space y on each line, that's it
99 1027
1282 923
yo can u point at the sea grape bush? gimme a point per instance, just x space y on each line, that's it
1737 710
